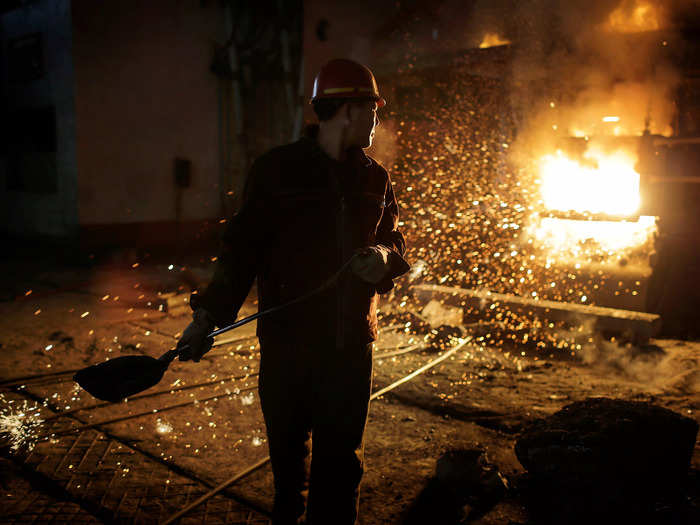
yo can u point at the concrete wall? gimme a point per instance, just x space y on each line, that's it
350 30
144 95
52 212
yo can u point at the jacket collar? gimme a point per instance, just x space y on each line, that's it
355 156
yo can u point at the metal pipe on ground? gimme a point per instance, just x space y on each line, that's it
384 355
152 394
265 460
145 413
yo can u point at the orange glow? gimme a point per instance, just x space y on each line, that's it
606 184
600 183
492 40
633 16
574 237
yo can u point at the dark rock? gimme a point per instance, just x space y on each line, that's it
465 486
602 456
468 472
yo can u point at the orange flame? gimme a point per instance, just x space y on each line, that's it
603 183
633 16
607 184
492 40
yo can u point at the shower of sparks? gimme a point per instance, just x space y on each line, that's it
247 399
417 269
163 427
478 220
19 423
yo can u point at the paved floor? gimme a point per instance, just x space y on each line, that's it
95 476
89 478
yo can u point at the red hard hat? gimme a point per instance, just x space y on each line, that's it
342 78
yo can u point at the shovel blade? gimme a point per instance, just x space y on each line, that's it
122 377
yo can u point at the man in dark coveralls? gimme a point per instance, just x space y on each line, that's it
309 208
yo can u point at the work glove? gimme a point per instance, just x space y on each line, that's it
196 337
371 264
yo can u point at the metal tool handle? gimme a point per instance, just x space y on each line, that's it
168 356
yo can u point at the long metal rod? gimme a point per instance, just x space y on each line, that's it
151 394
54 377
400 351
141 414
422 369
213 492
57 380
171 354
12 381
196 385
16 381
234 340
264 461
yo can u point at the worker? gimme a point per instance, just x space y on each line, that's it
309 209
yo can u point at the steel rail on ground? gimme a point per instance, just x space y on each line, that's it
153 394
252 468
398 351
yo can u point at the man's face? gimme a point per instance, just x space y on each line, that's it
363 120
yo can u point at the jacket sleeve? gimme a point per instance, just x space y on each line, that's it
238 259
389 237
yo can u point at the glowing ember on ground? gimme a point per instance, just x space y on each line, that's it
607 184
163 427
247 399
492 40
19 423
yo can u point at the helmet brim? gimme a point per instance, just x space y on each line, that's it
381 101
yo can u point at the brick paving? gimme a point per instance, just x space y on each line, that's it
23 502
92 477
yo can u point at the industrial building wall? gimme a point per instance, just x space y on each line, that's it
38 173
144 96
340 30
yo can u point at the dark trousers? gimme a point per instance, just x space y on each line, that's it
319 392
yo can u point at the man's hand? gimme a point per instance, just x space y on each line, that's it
371 264
195 337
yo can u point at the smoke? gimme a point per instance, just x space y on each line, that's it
385 144
667 370
578 61
675 368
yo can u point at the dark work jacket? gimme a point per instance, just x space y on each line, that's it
303 215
